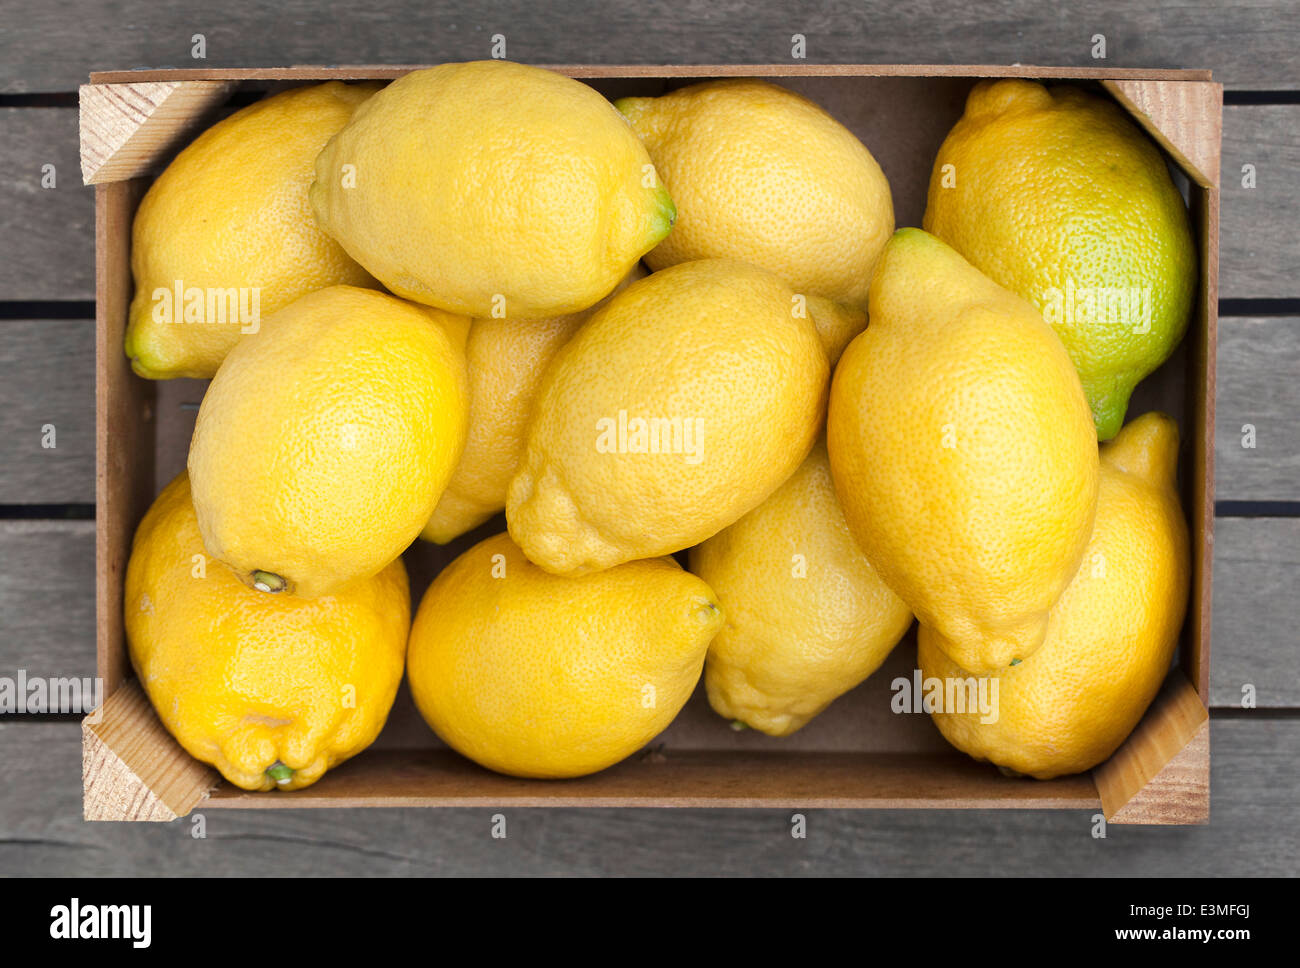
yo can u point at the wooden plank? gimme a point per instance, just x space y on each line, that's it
1256 574
47 621
314 72
1199 413
1259 248
46 234
1254 831
1257 439
684 778
47 426
1251 46
124 427
47 598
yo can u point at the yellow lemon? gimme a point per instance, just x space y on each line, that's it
808 618
489 188
1111 636
836 324
963 452
226 236
271 690
323 445
762 174
1057 195
678 407
505 359
535 675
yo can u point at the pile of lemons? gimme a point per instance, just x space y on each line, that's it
669 324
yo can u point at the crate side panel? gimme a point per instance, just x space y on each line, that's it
124 445
697 778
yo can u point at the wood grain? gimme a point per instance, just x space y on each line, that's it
47 600
125 413
46 234
1199 385
1257 439
1161 774
1254 830
1256 574
1252 46
1184 119
131 768
1259 248
688 778
678 72
47 367
125 128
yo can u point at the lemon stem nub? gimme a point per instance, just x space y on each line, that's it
737 725
707 611
280 773
264 581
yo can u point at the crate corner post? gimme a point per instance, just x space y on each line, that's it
131 769
126 128
1184 117
1161 775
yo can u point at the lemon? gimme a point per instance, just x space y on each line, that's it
491 188
323 445
808 618
963 452
225 236
762 174
271 690
1111 636
1057 195
505 359
836 324
679 406
535 675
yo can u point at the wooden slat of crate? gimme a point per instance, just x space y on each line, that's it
1251 46
1256 574
47 370
47 235
1254 831
1257 435
1259 248
47 599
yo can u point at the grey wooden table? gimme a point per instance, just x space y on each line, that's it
47 495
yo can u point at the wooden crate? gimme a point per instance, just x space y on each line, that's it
857 754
